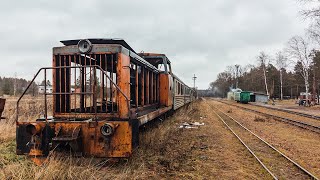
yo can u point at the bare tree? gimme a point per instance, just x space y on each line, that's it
231 70
311 13
314 32
282 64
298 49
236 71
263 60
238 67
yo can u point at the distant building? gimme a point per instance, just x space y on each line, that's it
42 90
205 93
232 93
259 97
49 89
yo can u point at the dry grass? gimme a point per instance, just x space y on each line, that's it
259 119
158 156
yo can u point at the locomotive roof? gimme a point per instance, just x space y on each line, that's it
154 55
99 41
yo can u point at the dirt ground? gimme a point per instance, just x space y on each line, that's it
299 144
166 152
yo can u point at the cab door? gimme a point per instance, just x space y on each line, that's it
166 85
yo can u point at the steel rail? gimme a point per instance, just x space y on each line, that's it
289 111
246 146
300 124
269 145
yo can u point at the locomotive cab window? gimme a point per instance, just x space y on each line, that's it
162 67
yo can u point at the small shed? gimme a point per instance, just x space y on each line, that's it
259 97
231 94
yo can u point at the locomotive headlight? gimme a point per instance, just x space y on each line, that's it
84 46
33 129
108 129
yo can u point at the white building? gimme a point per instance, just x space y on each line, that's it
48 89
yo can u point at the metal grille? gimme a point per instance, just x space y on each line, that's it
80 87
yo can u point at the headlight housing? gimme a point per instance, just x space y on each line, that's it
107 129
84 46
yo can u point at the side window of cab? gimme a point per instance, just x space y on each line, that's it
161 67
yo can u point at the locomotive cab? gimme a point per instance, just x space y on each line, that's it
166 76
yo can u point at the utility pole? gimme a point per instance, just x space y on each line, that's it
237 68
194 81
314 84
15 84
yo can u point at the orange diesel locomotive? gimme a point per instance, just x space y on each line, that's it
102 92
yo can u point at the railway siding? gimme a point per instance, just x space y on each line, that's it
294 119
289 111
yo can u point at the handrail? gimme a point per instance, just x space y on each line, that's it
61 67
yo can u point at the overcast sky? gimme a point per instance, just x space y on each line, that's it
199 37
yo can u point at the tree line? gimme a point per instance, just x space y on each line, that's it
286 73
16 86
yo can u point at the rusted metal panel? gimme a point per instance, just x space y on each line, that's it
86 115
142 86
2 103
90 140
152 115
137 86
123 81
164 90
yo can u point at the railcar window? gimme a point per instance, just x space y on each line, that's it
142 85
161 67
176 88
181 89
133 75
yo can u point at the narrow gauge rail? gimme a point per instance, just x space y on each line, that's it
288 111
282 119
278 165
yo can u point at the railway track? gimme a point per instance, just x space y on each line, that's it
278 165
288 111
297 123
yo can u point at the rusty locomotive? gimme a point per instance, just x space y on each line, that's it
102 92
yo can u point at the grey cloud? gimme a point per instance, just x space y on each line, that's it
200 37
